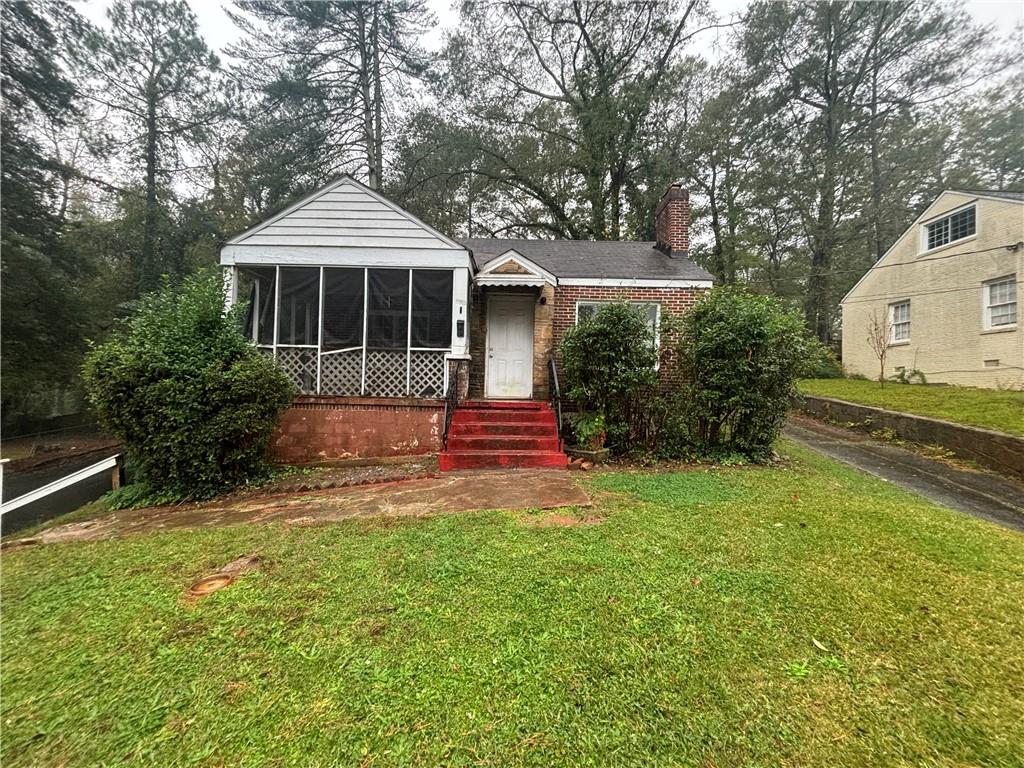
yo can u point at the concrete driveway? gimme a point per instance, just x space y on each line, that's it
979 493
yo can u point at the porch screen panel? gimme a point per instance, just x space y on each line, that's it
387 311
259 316
432 308
299 306
343 308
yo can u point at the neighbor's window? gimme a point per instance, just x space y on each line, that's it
951 228
899 321
652 311
1001 302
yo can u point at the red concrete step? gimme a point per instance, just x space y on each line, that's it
521 428
503 443
522 416
513 405
449 460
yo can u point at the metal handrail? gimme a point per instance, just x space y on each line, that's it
556 394
451 401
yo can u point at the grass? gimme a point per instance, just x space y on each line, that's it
1000 410
801 616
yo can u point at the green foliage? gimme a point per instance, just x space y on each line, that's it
903 376
609 363
590 430
821 362
742 355
1002 411
193 401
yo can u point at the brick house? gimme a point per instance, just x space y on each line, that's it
402 340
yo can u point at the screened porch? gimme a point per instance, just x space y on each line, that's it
351 331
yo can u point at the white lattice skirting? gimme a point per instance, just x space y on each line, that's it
389 373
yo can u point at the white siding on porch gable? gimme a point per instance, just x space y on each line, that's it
345 223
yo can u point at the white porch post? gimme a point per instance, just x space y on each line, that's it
460 312
230 287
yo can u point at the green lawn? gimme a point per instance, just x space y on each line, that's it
798 616
990 408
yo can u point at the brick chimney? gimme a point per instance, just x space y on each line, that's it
672 222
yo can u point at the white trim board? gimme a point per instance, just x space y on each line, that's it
512 256
632 282
335 256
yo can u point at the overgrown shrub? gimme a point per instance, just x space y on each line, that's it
821 362
742 355
192 399
609 367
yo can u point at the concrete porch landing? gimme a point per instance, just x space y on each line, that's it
454 492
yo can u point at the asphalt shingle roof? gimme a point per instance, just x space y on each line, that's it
591 258
992 193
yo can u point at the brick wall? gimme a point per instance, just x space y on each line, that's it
324 429
672 300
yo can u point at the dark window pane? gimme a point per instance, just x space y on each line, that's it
387 311
259 317
962 224
432 308
343 308
299 307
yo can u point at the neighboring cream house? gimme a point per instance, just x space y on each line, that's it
948 290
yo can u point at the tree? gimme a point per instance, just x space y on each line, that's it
840 70
336 69
879 337
42 324
558 99
156 75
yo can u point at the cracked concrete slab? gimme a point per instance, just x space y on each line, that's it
448 493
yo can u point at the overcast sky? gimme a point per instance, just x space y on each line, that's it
218 30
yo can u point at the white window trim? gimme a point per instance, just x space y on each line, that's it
893 341
923 248
986 307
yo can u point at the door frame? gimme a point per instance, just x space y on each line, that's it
527 300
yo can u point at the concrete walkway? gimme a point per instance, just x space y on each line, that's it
451 492
982 494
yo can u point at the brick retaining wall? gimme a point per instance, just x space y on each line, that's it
323 429
995 450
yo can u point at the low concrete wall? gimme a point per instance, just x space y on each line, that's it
995 450
317 429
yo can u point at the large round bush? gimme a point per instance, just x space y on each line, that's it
742 355
609 364
194 402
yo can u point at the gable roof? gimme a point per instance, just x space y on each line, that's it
924 216
621 260
344 213
512 268
1002 194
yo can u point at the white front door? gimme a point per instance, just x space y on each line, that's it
509 346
